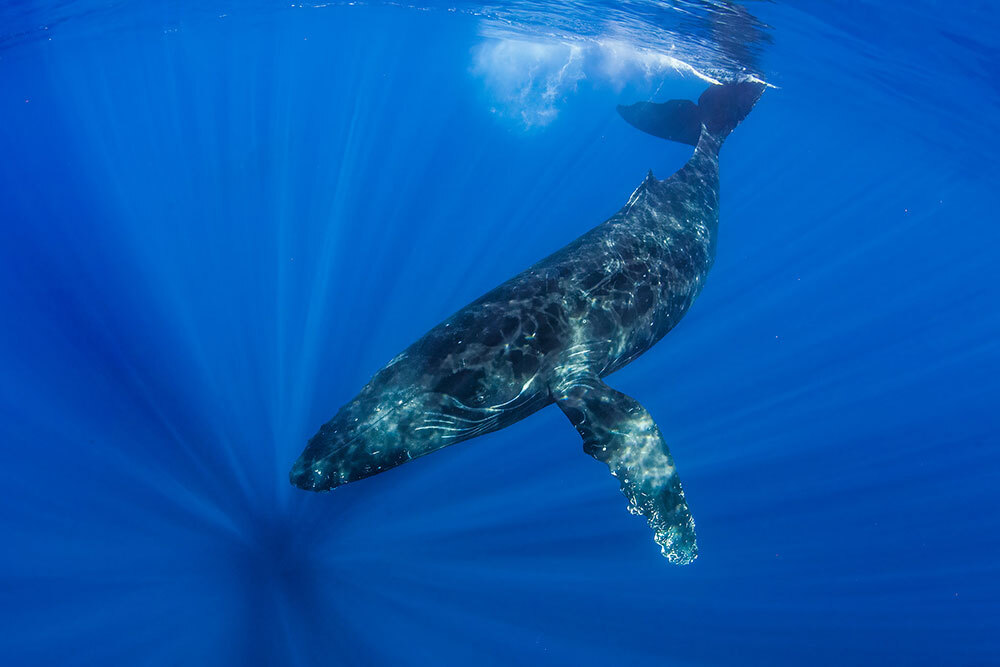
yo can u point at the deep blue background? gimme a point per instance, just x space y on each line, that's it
216 228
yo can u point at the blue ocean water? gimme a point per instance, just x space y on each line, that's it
219 219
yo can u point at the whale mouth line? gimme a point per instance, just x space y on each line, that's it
484 422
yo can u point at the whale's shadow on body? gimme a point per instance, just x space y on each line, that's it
551 333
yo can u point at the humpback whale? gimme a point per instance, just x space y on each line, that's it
552 333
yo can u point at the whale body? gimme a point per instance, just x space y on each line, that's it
553 332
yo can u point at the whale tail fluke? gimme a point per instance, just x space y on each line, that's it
718 111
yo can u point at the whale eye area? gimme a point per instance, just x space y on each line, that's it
463 384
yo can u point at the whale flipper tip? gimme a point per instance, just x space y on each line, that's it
619 432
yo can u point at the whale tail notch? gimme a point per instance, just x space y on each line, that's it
718 111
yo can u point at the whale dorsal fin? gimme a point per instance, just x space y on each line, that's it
619 432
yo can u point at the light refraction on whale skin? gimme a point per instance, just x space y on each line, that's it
551 333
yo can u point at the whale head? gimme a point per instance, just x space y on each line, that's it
401 414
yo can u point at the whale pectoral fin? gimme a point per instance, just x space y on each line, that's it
618 431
